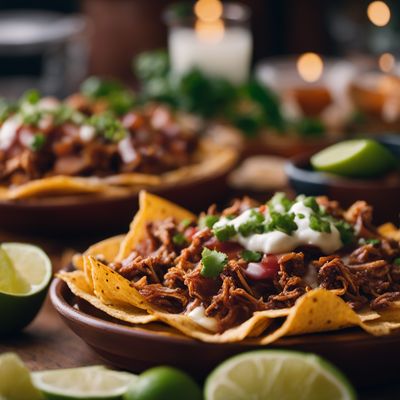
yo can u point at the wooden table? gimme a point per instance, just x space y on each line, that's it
48 343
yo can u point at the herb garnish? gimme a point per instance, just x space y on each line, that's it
311 202
179 239
224 233
346 231
186 222
253 225
396 261
213 263
208 221
280 199
251 256
38 141
319 224
108 126
374 242
281 222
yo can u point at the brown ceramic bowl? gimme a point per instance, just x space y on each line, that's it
366 359
383 194
87 214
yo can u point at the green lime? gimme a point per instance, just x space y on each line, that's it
83 383
25 272
276 375
358 158
164 383
15 380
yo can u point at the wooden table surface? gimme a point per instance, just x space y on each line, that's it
49 344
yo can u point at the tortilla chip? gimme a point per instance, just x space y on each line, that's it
133 179
76 282
106 249
320 310
254 326
151 208
389 231
112 288
57 185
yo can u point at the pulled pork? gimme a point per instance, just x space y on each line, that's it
154 141
168 275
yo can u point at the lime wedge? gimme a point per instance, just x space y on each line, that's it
25 272
83 383
277 375
15 379
358 158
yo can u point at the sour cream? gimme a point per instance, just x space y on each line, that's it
276 242
198 315
87 133
8 132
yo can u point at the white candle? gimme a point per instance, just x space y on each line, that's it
227 57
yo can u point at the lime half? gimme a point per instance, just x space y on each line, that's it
25 272
277 375
358 158
83 383
15 380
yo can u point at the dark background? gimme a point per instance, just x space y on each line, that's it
119 29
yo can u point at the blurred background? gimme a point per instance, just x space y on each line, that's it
102 36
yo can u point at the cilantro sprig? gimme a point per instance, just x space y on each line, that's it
108 126
208 221
251 256
281 222
253 225
213 263
224 233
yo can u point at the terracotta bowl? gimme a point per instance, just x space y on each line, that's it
382 194
87 214
366 359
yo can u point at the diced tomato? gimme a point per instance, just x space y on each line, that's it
266 269
231 249
190 232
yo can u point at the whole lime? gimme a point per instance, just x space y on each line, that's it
164 383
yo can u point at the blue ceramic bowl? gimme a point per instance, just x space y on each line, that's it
383 193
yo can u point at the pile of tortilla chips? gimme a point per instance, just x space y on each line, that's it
209 160
316 311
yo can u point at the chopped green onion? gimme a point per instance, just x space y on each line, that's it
253 225
186 222
280 199
31 118
31 96
224 233
374 242
208 221
251 256
179 239
301 216
108 126
38 142
346 231
318 224
281 222
311 202
213 263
